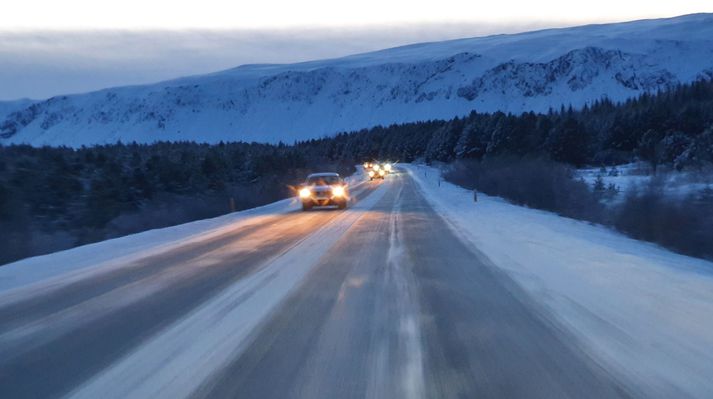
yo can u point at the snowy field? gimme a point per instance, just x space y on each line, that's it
638 175
639 310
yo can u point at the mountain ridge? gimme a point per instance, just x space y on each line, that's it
530 71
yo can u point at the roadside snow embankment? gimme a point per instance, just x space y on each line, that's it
59 268
641 311
73 263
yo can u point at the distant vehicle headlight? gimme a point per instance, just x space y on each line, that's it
305 193
366 165
371 173
382 172
338 191
376 167
387 167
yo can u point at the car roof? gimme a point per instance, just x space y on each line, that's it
323 175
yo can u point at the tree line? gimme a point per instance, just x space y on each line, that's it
674 128
54 198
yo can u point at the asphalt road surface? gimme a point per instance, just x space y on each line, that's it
382 300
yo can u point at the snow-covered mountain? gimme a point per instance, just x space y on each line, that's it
512 73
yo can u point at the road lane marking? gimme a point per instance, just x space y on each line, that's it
397 365
409 329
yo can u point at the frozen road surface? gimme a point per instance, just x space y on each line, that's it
383 300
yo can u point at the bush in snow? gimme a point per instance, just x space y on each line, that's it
685 225
682 224
536 183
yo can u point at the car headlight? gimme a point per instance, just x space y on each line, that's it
382 172
305 192
387 167
376 167
371 173
338 191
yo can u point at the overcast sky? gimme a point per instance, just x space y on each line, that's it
50 47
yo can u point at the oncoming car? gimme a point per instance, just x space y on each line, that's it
324 189
379 171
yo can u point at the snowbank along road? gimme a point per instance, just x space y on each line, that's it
383 300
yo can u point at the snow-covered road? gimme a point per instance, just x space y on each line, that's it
390 298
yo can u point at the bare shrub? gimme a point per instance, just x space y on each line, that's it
535 183
684 225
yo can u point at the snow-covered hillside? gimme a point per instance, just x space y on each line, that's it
513 73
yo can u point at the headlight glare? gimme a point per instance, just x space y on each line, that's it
338 191
305 192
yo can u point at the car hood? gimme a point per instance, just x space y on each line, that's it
327 187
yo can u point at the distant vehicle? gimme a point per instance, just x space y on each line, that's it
324 189
378 171
377 174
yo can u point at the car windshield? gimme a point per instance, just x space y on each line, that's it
322 180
